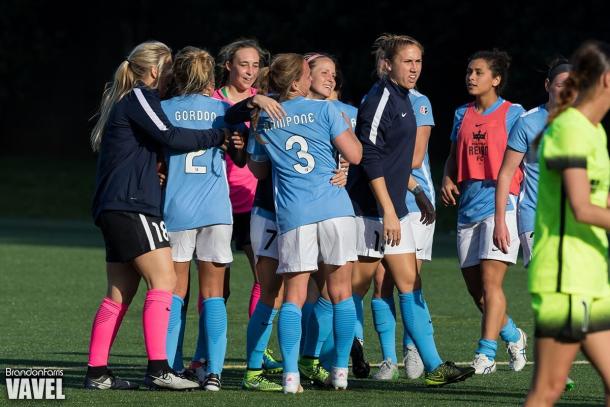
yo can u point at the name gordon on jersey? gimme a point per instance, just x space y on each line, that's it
195 115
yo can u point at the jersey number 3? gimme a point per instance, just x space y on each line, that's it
191 168
302 154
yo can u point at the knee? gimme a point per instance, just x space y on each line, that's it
338 294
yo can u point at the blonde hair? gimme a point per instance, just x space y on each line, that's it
193 71
386 46
129 73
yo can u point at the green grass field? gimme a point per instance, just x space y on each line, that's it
52 280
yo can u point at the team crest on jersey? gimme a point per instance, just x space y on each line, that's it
423 109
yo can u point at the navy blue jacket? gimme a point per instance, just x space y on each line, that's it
386 128
136 130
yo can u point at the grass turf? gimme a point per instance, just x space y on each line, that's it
52 280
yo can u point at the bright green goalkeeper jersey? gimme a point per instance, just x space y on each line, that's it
569 256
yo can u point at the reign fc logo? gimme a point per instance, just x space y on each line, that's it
34 384
479 145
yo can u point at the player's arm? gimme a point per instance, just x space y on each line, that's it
147 114
510 163
421 145
237 150
578 191
260 169
426 209
449 190
391 223
348 144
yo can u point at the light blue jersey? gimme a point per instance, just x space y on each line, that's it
350 111
302 155
520 139
478 198
423 176
197 192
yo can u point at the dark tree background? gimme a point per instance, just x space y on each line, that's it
55 56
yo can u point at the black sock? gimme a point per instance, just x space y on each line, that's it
96 371
155 366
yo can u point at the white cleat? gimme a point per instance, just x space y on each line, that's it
516 352
292 383
339 378
414 366
387 371
483 365
168 380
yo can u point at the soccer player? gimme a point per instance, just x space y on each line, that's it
568 274
478 141
127 208
387 129
314 218
197 209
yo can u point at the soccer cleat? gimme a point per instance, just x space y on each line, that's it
108 382
339 378
270 364
414 366
292 383
168 380
360 367
447 373
200 367
569 384
255 380
387 371
483 365
314 371
211 382
516 352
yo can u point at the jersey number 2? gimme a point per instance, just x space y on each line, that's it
191 168
302 154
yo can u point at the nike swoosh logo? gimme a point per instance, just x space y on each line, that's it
403 114
479 125
162 380
494 249
419 250
106 384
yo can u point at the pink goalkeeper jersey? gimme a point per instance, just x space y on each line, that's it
242 183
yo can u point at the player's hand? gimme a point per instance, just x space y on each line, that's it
340 177
227 140
162 172
271 106
391 229
501 236
428 213
449 192
237 140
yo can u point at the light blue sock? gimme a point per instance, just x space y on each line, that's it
327 354
359 328
509 332
319 327
173 330
306 312
343 327
488 348
179 359
201 348
289 335
215 315
259 331
384 318
416 320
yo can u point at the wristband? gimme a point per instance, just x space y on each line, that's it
417 189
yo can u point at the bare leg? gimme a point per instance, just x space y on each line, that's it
595 347
494 301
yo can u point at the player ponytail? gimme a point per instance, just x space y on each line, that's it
386 46
589 62
129 73
498 62
193 72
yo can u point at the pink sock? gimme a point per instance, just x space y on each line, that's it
155 318
105 327
255 295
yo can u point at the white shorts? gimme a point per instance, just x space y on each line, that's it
332 241
208 243
527 244
423 236
475 241
263 237
370 238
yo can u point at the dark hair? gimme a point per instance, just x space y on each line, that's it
498 61
590 61
227 53
558 66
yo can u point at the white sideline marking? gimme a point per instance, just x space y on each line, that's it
243 366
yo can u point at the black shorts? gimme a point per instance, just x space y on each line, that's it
241 230
128 235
